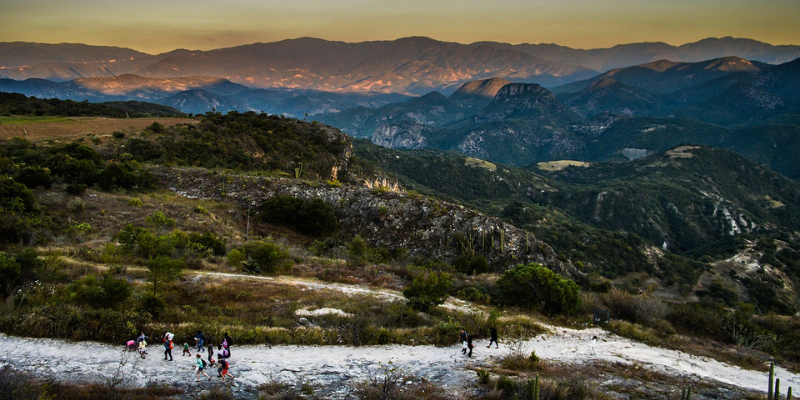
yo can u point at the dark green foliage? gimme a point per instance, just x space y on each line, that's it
152 304
127 175
34 177
106 292
18 267
471 265
311 217
246 141
163 269
73 164
209 241
264 257
534 286
427 290
18 104
15 197
76 189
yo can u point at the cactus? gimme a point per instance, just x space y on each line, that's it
777 389
298 172
686 393
771 377
533 388
789 394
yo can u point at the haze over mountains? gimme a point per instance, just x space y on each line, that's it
514 104
415 65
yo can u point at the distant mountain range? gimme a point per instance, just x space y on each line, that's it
415 65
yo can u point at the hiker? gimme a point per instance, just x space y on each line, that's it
593 343
227 342
211 354
201 366
141 337
222 352
186 350
493 335
223 369
167 341
199 339
469 345
142 348
462 337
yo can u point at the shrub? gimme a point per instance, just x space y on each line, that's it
428 290
209 241
471 265
310 217
357 251
163 269
200 210
76 205
118 134
76 189
264 257
34 177
135 202
107 292
236 257
533 285
152 304
15 197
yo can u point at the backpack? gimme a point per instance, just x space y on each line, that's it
171 345
204 362
225 353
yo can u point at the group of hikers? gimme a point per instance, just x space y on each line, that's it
466 341
223 353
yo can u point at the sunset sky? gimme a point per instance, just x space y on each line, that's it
157 26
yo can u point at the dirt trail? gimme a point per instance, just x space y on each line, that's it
338 368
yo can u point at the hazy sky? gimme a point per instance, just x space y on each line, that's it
156 26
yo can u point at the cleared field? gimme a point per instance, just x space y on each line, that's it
561 164
38 129
476 162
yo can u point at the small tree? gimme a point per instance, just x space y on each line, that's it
428 290
163 269
533 285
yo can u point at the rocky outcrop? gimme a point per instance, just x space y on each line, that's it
426 227
405 135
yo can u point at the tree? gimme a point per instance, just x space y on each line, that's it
532 285
163 269
428 290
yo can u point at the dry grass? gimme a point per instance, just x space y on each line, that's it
561 164
68 129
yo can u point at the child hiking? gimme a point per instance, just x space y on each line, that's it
493 335
167 341
201 366
186 350
223 369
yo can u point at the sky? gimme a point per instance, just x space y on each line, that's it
155 26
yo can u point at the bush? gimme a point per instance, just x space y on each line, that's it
34 177
152 304
533 285
264 258
107 292
428 290
76 205
471 265
310 217
135 202
76 189
236 258
209 241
